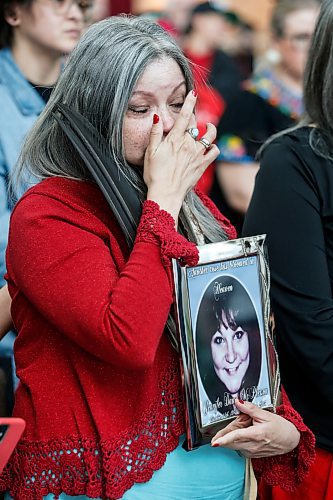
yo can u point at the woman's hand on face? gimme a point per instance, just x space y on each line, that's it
174 163
258 433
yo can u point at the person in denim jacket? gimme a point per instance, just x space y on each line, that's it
34 37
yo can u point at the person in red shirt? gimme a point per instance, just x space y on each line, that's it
216 75
100 388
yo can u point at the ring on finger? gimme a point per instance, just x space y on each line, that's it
194 132
205 143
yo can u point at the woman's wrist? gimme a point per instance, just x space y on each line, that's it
158 226
168 203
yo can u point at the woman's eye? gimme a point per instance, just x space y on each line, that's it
238 335
139 111
85 5
218 340
177 105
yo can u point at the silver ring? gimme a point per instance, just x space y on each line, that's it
205 143
194 132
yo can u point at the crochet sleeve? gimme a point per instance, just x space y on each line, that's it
289 470
158 226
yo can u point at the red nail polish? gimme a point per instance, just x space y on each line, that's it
156 119
195 93
214 445
241 401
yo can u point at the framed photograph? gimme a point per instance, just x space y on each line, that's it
227 350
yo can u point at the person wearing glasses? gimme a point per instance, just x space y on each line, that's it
34 37
269 102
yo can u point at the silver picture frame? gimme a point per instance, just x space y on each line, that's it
226 344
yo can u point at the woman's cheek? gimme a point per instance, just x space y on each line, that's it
244 349
136 140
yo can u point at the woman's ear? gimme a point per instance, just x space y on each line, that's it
13 15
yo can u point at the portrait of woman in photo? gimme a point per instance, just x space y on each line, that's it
228 342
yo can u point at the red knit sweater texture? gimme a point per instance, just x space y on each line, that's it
100 385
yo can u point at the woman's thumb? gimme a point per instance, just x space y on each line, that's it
250 409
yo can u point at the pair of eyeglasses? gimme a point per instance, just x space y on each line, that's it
299 41
62 7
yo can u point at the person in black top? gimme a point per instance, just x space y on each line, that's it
269 102
293 203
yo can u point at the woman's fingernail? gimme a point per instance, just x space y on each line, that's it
214 445
241 401
156 119
195 93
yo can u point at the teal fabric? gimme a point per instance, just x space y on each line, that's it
207 474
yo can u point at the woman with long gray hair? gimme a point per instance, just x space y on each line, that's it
293 204
100 388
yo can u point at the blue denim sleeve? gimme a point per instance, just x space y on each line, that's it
4 215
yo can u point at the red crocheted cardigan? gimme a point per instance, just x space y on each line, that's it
100 386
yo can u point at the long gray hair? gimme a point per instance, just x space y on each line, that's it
97 81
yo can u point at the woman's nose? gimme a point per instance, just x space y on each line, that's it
167 121
230 354
74 11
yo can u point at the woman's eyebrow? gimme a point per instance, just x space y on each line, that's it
150 94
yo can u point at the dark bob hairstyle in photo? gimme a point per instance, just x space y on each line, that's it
239 310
